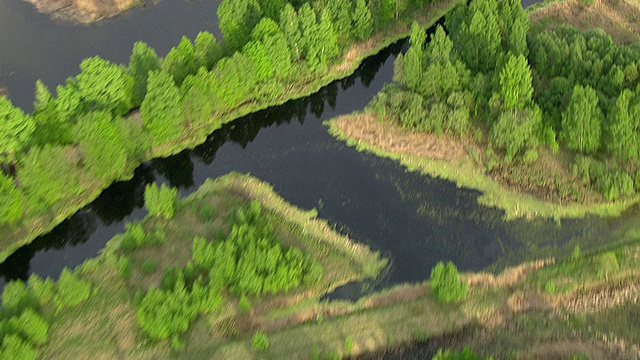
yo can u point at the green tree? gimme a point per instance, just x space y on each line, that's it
160 201
272 8
16 129
445 283
161 110
72 290
181 61
581 121
13 347
444 76
31 326
413 60
516 85
69 102
260 341
362 21
276 45
100 143
105 86
237 18
515 131
50 127
49 173
11 200
624 127
16 298
259 56
143 60
290 25
207 50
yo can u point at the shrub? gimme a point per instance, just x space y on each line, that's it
31 326
16 298
260 341
445 283
160 201
42 290
464 354
13 347
71 289
148 267
124 267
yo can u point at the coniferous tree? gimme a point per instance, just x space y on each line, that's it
581 121
16 129
143 60
161 110
181 61
362 21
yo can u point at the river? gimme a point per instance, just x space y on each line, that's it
415 220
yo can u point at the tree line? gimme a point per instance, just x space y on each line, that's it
85 135
558 88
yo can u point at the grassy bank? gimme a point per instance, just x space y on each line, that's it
105 324
298 325
457 160
36 223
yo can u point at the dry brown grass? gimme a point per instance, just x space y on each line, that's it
509 277
619 18
393 138
83 11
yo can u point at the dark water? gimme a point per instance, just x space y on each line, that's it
415 220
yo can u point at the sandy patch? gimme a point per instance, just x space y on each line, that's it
84 11
393 138
618 18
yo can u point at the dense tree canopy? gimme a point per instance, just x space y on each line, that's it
582 121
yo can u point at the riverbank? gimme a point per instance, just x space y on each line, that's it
84 11
111 309
529 310
15 236
457 159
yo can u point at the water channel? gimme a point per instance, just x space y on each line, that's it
414 220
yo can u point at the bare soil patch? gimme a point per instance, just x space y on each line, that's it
393 138
84 11
618 18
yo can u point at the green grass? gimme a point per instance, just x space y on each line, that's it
465 172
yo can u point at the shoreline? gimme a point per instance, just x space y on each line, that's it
352 59
463 170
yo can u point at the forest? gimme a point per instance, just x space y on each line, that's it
486 75
99 125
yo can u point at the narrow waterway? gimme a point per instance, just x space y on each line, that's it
415 220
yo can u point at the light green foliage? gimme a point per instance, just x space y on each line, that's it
362 21
623 129
251 261
515 131
125 269
13 347
161 109
15 129
607 264
234 80
244 304
72 290
237 18
167 312
445 283
290 26
271 8
464 354
276 45
69 102
143 60
101 144
198 98
260 342
105 86
160 201
207 50
442 74
181 61
516 85
262 63
16 298
581 121
42 291
49 173
413 60
11 201
31 326
50 127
